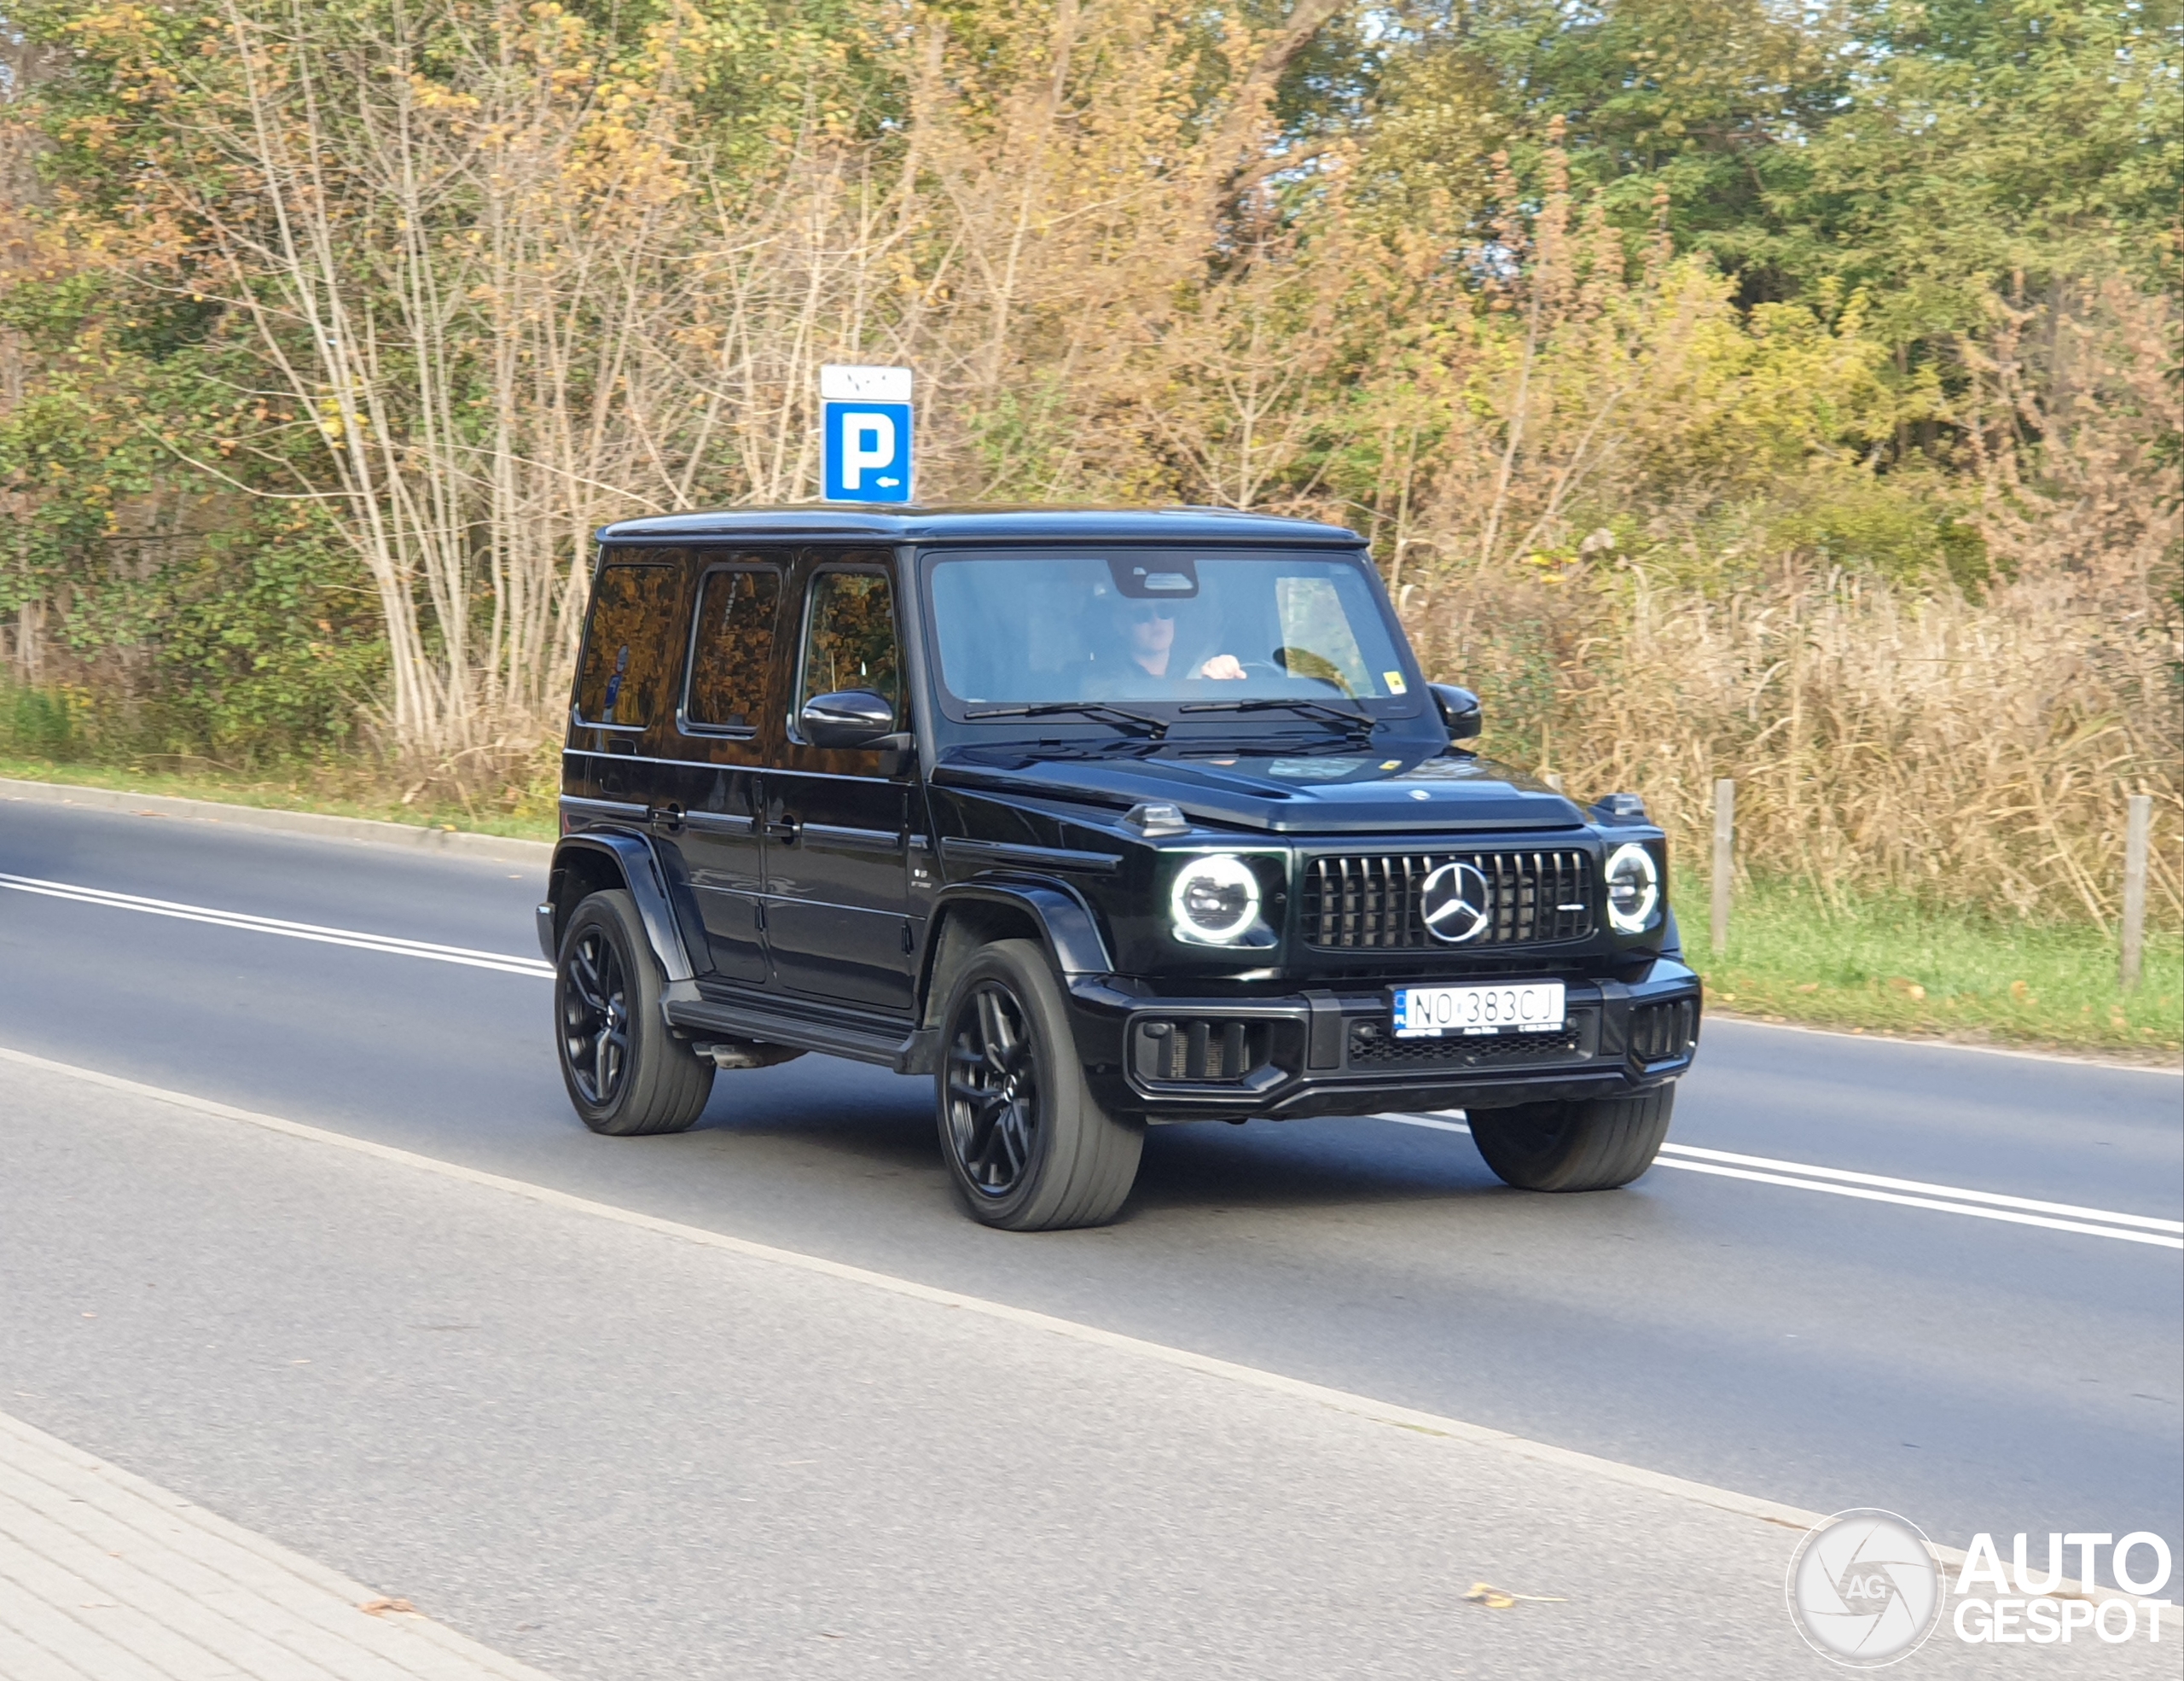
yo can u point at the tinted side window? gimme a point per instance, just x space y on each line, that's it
628 667
732 654
849 637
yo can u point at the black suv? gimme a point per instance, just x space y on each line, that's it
1102 819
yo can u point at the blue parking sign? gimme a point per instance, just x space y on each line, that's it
868 451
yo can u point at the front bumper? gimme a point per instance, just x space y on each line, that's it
1324 1053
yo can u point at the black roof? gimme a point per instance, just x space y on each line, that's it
893 523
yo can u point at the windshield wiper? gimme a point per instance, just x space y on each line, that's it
1350 720
1153 728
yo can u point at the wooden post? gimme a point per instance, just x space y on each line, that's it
2135 887
1725 856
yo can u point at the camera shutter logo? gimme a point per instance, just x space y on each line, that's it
1864 1589
1458 903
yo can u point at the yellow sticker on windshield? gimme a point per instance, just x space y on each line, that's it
1394 680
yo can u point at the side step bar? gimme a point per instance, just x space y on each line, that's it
911 1054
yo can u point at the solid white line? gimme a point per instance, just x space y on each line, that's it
2122 1235
509 964
1433 1121
2149 1221
1966 1206
391 944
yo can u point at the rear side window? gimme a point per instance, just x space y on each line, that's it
628 669
849 637
732 655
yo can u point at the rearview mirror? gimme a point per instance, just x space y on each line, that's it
1459 710
849 718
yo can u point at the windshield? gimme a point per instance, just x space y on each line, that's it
1016 630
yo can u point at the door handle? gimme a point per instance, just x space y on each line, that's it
668 816
783 828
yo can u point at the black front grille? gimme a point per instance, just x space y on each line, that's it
1662 1032
1376 901
1373 1046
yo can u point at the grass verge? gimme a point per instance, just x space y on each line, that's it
1882 965
1872 964
347 793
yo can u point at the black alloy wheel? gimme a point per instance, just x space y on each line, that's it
627 1073
595 1017
1027 1143
993 1090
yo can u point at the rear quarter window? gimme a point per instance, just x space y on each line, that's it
629 667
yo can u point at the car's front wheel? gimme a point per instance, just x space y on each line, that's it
626 1074
1029 1147
1594 1145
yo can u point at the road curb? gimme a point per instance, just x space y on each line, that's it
183 1592
367 831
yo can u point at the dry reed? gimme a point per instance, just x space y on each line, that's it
1972 753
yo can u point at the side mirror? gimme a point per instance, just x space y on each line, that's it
849 718
1459 710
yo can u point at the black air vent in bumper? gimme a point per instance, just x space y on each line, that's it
1664 1033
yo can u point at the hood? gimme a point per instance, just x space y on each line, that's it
1360 791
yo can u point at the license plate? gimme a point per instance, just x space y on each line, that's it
1518 1007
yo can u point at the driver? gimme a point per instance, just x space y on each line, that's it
1147 626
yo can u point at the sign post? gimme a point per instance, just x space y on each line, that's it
866 419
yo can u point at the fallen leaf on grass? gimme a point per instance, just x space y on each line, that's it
379 1607
1809 986
1501 1599
1903 984
2022 992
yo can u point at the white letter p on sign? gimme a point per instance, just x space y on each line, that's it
867 441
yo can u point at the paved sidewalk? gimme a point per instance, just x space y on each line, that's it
104 1577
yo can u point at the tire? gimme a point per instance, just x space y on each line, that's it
1589 1146
1027 1144
627 1074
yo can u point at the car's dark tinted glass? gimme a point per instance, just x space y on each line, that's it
849 637
731 657
629 667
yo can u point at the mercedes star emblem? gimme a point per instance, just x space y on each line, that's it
1457 902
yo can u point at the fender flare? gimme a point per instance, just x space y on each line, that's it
639 868
1066 927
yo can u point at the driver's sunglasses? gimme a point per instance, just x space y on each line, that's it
1144 612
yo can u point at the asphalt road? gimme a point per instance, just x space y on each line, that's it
1826 1351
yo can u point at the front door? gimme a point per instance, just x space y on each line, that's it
837 831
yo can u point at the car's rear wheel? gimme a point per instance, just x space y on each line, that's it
1594 1145
1030 1147
626 1074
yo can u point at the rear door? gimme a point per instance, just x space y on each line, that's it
725 726
836 828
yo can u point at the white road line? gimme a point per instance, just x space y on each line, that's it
1834 1181
390 944
1970 1202
1995 1198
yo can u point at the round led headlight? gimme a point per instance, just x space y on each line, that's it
1216 899
1633 888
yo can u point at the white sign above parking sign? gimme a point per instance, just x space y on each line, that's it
866 420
